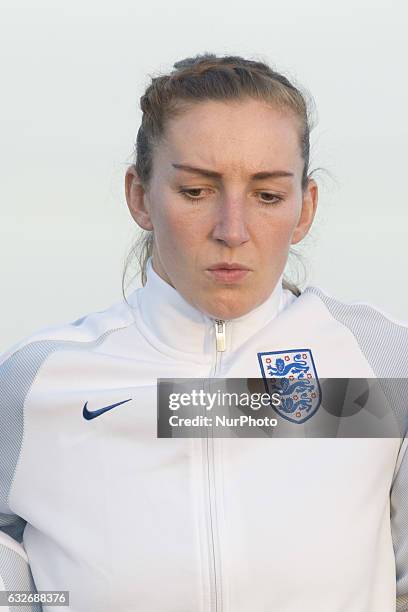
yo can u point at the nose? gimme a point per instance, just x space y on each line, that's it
231 224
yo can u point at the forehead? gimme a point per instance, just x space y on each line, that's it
233 136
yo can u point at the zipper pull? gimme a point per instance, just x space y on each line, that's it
220 335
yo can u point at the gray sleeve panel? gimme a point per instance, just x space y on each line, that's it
385 346
399 523
13 526
17 375
383 343
16 576
402 603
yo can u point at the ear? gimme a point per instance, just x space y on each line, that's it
309 206
136 199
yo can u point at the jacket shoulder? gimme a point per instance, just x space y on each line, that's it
382 338
91 328
19 367
356 308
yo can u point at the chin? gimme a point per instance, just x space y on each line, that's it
224 311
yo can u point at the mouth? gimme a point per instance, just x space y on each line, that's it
228 272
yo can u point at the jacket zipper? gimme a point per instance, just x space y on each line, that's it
216 599
219 338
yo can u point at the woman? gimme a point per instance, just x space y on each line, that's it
94 501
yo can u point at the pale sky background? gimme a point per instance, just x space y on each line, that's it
72 74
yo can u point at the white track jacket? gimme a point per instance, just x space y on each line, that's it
129 522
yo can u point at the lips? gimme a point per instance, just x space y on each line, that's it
228 273
228 266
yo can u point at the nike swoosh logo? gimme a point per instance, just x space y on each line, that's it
88 415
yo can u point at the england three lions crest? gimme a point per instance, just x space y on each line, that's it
293 375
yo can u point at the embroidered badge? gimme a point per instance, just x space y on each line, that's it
293 375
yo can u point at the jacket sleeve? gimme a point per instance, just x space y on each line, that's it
15 571
399 526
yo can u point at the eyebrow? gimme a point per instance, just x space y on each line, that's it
213 174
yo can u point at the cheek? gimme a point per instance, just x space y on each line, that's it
175 233
275 227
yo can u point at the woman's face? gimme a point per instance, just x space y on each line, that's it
225 192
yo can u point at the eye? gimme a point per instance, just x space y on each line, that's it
269 198
196 193
192 193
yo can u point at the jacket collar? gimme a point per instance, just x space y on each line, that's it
167 319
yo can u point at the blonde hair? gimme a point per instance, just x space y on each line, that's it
209 77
